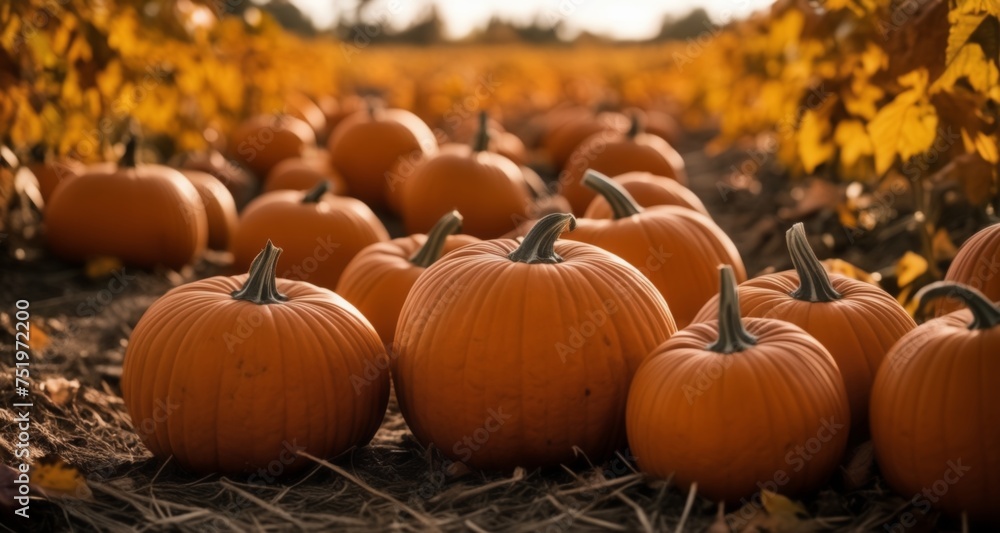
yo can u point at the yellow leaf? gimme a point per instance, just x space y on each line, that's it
991 7
40 339
853 141
910 267
814 143
962 26
861 98
56 479
839 266
873 59
907 126
986 146
110 79
60 390
971 64
942 246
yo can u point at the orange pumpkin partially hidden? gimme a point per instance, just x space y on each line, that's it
648 190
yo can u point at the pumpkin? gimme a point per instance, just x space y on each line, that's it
502 141
935 407
319 232
856 321
569 132
305 109
235 374
616 153
738 406
513 354
486 187
977 265
648 190
230 173
51 172
335 111
366 146
675 247
220 209
659 123
263 141
144 215
378 279
304 173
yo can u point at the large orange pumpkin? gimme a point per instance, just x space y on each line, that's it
237 374
366 146
220 209
739 406
977 265
514 354
263 141
486 187
319 232
935 407
145 215
856 321
378 279
618 153
675 247
648 190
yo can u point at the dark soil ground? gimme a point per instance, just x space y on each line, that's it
393 484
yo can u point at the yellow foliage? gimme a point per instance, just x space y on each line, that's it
907 126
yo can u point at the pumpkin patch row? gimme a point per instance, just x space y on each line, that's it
633 325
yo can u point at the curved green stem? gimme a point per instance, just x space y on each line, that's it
481 142
985 314
733 337
447 225
814 282
317 192
622 203
538 245
261 285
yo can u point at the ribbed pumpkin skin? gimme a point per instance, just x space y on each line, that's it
226 386
675 247
977 265
145 216
363 150
480 335
263 141
936 399
615 154
648 190
322 237
485 187
220 208
857 329
731 422
380 276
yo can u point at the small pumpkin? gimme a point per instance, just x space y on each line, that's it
229 172
648 190
304 108
263 141
378 279
738 406
304 173
50 171
320 232
977 265
569 132
486 187
856 321
516 354
230 374
144 215
366 146
220 209
935 407
615 154
675 247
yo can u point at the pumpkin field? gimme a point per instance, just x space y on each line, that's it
259 273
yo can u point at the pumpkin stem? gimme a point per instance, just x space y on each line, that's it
261 286
985 314
481 143
447 225
733 337
622 203
374 107
814 282
635 126
316 192
538 245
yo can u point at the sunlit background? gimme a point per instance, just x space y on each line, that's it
621 19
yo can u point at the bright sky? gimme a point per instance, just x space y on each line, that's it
632 19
